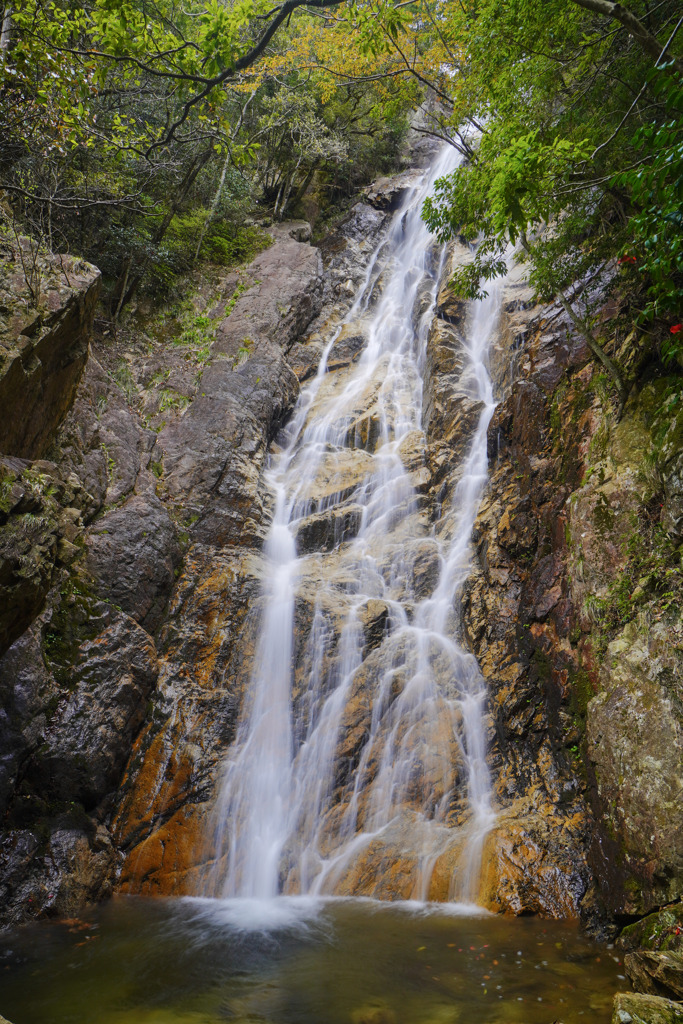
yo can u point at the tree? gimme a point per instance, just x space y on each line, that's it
562 99
118 116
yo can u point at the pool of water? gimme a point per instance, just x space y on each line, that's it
291 961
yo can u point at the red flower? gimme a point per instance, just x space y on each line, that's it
626 259
676 329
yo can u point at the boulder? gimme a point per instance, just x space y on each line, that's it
661 930
638 769
387 193
87 741
634 1008
657 973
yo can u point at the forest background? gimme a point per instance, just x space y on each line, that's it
149 135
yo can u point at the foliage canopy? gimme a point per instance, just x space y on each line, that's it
120 116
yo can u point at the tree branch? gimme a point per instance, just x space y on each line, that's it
647 42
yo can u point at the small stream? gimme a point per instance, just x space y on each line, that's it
302 961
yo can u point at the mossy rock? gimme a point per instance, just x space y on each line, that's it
634 1008
661 930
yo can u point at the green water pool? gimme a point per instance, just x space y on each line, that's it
298 961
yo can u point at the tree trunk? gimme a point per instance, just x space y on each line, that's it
132 281
298 195
5 34
214 205
596 348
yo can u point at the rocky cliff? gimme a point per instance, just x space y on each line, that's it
132 518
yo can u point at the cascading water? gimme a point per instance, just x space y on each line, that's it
369 737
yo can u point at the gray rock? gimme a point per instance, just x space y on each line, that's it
88 740
42 351
57 874
639 769
299 230
387 193
657 973
325 530
133 552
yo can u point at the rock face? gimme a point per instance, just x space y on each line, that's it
47 307
212 459
151 492
580 654
46 311
133 509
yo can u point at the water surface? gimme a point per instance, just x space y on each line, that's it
302 961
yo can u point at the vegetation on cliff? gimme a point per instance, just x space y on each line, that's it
142 135
580 159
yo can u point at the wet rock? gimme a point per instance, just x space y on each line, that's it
374 619
451 417
658 974
132 552
211 459
517 530
340 473
361 224
634 1008
414 458
450 307
347 348
444 351
304 360
89 737
325 530
527 868
345 255
56 876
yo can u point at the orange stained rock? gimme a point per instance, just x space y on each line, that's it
523 875
166 862
161 780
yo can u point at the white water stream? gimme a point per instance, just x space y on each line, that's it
344 749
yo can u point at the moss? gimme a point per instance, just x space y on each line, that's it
75 618
661 930
581 693
603 515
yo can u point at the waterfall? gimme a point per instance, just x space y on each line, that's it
366 740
